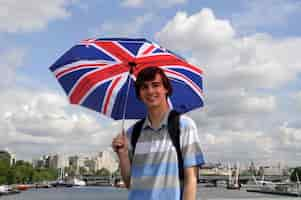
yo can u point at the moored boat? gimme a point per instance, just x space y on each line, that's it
77 182
22 187
6 190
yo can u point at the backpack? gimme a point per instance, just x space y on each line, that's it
173 127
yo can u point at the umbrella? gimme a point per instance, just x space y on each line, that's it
99 74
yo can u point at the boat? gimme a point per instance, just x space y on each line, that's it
77 182
7 190
61 182
119 183
43 185
22 187
259 184
283 188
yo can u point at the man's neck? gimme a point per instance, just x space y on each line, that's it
156 115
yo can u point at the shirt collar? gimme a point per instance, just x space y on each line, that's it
147 123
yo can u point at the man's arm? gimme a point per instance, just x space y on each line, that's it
120 146
125 168
190 183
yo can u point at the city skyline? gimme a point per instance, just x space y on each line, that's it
252 79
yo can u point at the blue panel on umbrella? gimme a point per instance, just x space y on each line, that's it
70 79
80 52
196 78
133 47
135 108
180 97
95 100
159 51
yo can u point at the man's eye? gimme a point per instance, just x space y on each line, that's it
144 87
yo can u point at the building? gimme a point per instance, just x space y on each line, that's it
273 170
58 161
51 161
77 162
214 169
106 160
38 163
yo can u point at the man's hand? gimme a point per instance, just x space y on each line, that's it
120 144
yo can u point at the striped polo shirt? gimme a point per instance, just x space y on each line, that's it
154 170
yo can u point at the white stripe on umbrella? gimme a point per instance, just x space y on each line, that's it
190 83
111 98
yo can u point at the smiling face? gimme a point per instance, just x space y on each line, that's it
153 93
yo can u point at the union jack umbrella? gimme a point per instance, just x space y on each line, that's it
99 74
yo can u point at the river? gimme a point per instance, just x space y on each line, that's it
110 193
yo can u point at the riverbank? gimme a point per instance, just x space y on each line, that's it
112 193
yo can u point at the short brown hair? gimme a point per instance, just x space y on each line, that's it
149 74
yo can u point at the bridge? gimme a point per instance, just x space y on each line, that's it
241 179
109 181
98 180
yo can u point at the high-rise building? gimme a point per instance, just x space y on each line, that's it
51 161
106 160
58 161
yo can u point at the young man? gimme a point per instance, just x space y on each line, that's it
152 173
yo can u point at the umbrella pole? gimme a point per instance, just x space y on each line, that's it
125 102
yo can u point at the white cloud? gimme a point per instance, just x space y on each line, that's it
290 137
239 102
288 143
31 15
256 61
237 146
240 116
125 29
153 3
44 122
10 61
201 30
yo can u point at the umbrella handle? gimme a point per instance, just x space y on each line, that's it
126 101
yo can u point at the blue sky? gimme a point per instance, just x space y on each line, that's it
248 49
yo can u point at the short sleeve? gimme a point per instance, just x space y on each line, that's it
190 143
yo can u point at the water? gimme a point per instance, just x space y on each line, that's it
109 193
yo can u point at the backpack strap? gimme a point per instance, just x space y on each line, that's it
174 133
136 133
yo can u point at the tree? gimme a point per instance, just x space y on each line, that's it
11 176
296 173
4 168
116 173
103 172
23 172
83 170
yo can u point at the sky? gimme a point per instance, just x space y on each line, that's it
249 51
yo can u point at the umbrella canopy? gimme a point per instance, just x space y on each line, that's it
99 74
